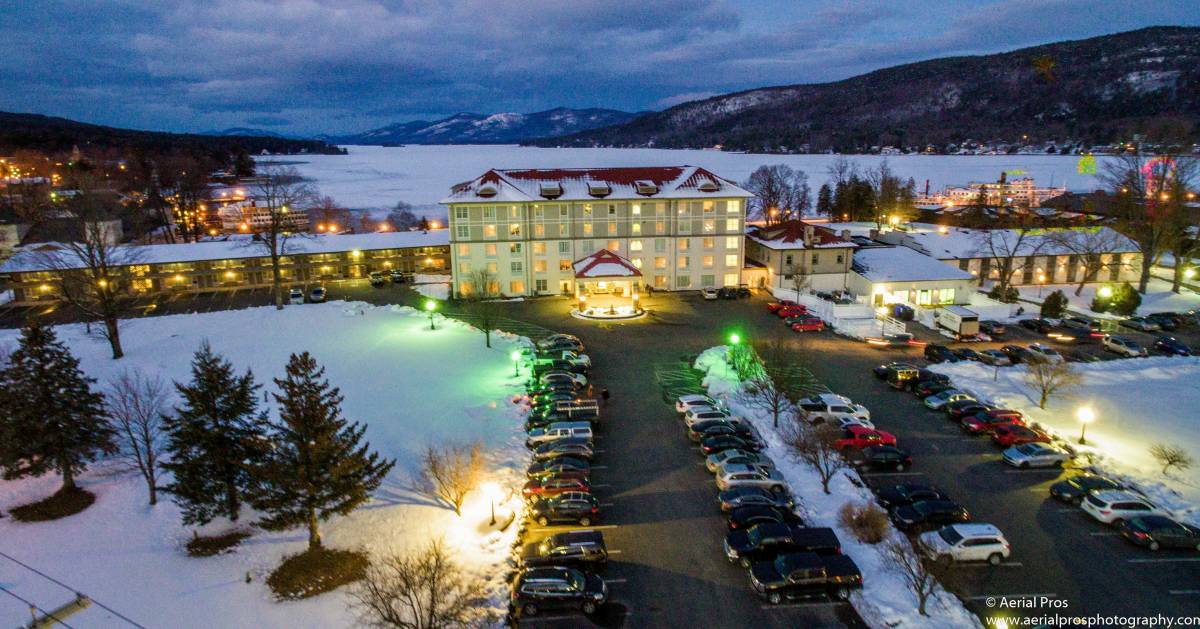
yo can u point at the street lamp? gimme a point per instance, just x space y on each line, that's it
1105 292
1086 416
516 358
735 339
1189 273
492 491
430 306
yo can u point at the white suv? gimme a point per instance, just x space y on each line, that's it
1114 506
1123 346
687 402
751 476
967 542
831 406
705 413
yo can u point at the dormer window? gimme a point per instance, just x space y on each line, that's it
709 186
645 187
486 191
550 190
599 189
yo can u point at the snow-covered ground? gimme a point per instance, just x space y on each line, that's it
376 177
1158 298
435 286
130 556
885 600
1137 402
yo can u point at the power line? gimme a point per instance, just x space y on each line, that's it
71 589
34 607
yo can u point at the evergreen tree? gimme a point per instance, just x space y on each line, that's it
1054 305
243 164
317 467
212 438
50 418
825 200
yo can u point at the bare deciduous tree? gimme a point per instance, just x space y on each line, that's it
1171 456
914 568
425 590
778 381
1089 244
282 191
451 473
817 446
1006 242
781 193
481 302
1048 378
136 403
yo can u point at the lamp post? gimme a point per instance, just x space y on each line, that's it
1086 416
430 306
492 490
1189 273
516 358
1105 292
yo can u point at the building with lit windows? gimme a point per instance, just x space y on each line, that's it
680 227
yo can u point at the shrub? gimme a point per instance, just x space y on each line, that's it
1125 300
209 545
63 503
1170 456
316 571
867 521
1054 305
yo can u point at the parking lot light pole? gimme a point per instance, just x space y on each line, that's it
1086 416
516 358
492 491
735 339
430 305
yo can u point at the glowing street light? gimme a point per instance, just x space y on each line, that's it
1105 292
735 339
492 491
430 306
516 358
1189 273
1086 415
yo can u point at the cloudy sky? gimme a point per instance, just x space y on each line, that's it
340 66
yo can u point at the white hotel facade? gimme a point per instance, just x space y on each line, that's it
683 227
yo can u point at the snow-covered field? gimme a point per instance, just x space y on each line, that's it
1137 402
1158 297
435 286
376 177
885 600
129 555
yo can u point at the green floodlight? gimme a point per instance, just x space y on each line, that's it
735 339
430 306
516 358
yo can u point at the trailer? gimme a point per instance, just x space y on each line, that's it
959 321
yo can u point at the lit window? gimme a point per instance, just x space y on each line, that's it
684 243
489 231
731 224
492 267
514 248
562 229
587 229
464 267
516 287
707 261
614 245
513 212
514 229
637 262
490 250
464 250
734 206
710 226
539 230
731 242
587 209
660 263
660 227
564 264
682 262
635 228
539 266
539 248
635 245
731 259
709 243
636 209
708 207
612 229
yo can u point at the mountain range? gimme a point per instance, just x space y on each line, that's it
1096 90
502 128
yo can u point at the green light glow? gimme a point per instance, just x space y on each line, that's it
735 339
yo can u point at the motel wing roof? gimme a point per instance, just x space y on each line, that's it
34 258
959 242
789 235
595 184
901 264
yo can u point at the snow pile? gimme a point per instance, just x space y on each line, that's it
434 286
1137 403
130 556
885 600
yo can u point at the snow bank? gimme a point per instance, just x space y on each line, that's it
129 556
1158 298
1137 402
885 600
433 286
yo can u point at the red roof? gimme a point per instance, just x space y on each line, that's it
790 232
604 263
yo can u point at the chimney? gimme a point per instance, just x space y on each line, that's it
846 234
808 235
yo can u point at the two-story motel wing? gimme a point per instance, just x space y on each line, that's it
681 226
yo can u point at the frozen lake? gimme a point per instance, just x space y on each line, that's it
376 177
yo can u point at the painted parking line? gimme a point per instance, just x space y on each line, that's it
599 467
572 527
984 564
1184 592
615 580
601 486
1166 560
1032 470
983 597
1103 534
1067 510
606 504
614 552
806 604
892 473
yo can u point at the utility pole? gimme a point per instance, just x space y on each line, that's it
55 617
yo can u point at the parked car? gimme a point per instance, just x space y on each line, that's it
555 588
377 279
1044 353
1072 330
709 293
747 476
317 295
559 430
1041 326
700 414
397 276
901 340
585 548
939 353
994 329
753 515
687 402
1016 353
986 421
743 291
573 506
580 448
1165 320
735 457
807 324
766 541
295 296
937 401
552 486
803 575
967 542
830 406
928 514
966 353
727 292
859 437
1074 489
1123 345
720 443
1083 322
700 430
929 387
1034 455
1159 531
557 465
1140 323
881 372
776 306
964 408
1114 506
1171 346
885 457
563 376
1017 434
902 494
735 497
791 311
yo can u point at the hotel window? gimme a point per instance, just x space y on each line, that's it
614 245
489 212
682 262
731 224
564 246
612 229
684 226
733 206
462 232
731 260
514 229
707 280
660 263
635 245
816 259
516 267
587 229
588 246
539 211
489 250
539 266
464 250
464 267
514 212
637 262
564 264
841 257
707 261
516 287
660 227
636 209
683 281
708 207
612 209
709 243
539 230
660 244
462 213
539 248
787 259
659 209
562 210
635 228
710 226
540 285
492 268
731 279
684 244
562 229
587 209
731 242
489 231
660 281
514 248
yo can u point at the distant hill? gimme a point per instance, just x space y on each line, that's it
500 128
1094 90
49 134
245 132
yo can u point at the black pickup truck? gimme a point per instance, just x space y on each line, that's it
805 575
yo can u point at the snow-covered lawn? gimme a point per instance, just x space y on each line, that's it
434 286
1158 298
1137 402
410 385
885 600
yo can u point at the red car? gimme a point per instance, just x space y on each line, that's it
859 437
553 486
808 324
775 306
987 421
1008 436
791 311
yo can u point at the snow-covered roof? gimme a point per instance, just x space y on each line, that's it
33 258
901 264
594 184
604 263
949 243
789 235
